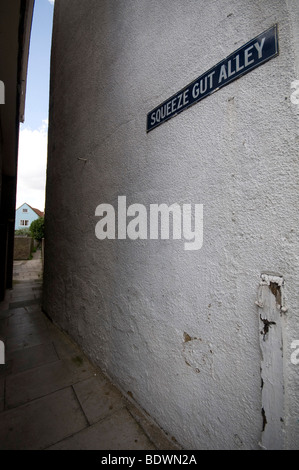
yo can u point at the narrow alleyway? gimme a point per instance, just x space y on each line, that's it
51 396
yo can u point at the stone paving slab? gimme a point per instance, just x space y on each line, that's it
21 342
42 422
11 312
24 303
160 438
2 384
5 369
118 432
31 295
29 358
21 286
98 398
52 396
26 318
25 328
3 328
28 269
32 309
66 349
1 387
40 381
29 284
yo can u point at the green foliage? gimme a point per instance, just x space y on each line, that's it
22 232
37 229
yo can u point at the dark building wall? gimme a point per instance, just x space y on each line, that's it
15 27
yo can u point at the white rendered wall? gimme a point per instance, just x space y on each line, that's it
177 329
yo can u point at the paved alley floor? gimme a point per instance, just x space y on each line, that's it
51 396
25 270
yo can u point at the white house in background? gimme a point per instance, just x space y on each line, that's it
25 215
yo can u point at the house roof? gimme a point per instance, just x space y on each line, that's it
37 211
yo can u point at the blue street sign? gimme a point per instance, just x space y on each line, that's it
254 53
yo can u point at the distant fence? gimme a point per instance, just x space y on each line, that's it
22 247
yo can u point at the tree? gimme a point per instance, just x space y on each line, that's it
37 229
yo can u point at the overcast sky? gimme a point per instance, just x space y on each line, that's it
32 159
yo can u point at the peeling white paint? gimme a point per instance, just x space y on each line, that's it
272 407
267 279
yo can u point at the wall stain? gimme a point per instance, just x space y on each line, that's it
77 360
187 337
196 353
264 419
267 325
276 291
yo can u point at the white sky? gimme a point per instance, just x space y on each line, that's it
32 159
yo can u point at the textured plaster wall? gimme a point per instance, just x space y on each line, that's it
178 330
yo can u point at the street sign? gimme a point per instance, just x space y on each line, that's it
254 53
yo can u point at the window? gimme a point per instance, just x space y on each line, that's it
25 210
24 223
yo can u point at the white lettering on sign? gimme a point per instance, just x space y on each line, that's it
227 70
295 354
295 94
175 104
203 85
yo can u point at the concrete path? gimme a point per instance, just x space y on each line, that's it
28 270
51 396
